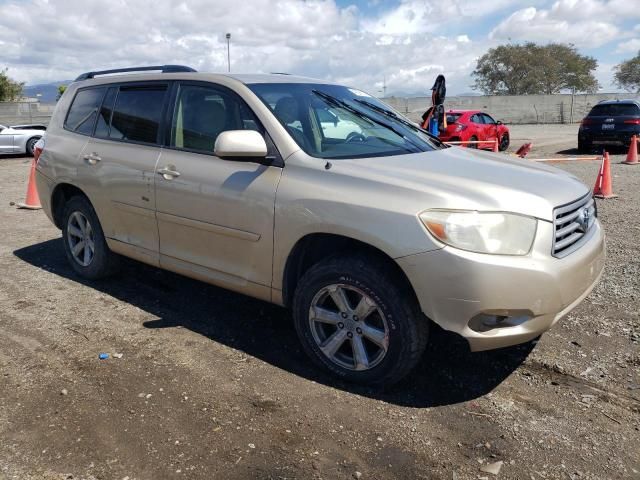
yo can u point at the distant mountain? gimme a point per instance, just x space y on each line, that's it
45 92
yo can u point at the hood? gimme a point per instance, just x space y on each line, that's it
461 178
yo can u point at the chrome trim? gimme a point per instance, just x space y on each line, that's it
571 224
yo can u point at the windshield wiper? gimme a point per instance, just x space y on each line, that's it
393 115
342 104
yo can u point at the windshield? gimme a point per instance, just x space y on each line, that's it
614 109
332 121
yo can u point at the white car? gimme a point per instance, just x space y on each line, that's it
20 138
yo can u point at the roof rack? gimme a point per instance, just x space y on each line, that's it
161 68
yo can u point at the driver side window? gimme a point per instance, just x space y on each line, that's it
201 113
488 120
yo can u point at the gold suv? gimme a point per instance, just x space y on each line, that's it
320 198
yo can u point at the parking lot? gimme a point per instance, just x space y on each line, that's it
212 384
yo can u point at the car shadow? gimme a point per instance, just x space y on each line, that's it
612 149
448 374
9 156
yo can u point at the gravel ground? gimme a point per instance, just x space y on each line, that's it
212 384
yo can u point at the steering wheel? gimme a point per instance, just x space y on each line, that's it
355 137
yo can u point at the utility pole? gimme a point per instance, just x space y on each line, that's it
228 53
384 87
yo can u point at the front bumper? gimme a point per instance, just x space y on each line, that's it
455 288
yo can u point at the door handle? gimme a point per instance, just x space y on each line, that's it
92 158
169 172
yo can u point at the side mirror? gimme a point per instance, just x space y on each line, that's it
240 143
499 122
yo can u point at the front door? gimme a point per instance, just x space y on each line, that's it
215 217
491 127
6 140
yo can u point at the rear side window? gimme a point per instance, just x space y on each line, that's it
84 110
614 109
453 117
137 113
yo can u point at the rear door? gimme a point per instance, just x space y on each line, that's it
477 124
215 216
119 166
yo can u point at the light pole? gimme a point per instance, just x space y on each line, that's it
228 53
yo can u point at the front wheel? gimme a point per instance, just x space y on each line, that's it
84 241
358 322
504 142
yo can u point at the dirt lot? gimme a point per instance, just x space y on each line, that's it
213 385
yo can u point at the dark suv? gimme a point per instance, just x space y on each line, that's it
610 122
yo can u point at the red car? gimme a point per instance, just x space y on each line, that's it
472 125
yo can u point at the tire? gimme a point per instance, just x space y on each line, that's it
504 142
99 263
30 147
394 312
584 146
473 145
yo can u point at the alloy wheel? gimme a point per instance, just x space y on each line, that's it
80 238
349 327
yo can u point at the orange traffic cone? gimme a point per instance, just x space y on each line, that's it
603 188
495 146
632 156
32 201
524 150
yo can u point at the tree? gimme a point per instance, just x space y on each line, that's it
61 89
627 74
532 69
10 90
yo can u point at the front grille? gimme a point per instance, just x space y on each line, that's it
571 223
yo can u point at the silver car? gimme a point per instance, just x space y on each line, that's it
20 138
320 198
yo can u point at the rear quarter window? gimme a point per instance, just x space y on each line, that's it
614 109
84 110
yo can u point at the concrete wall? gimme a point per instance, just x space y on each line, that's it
521 109
16 113
515 109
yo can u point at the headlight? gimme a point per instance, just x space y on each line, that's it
496 233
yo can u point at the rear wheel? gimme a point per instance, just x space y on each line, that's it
584 146
358 322
84 241
31 144
473 139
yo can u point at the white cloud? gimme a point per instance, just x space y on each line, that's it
629 46
313 37
580 22
409 44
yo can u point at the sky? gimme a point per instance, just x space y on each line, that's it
367 44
